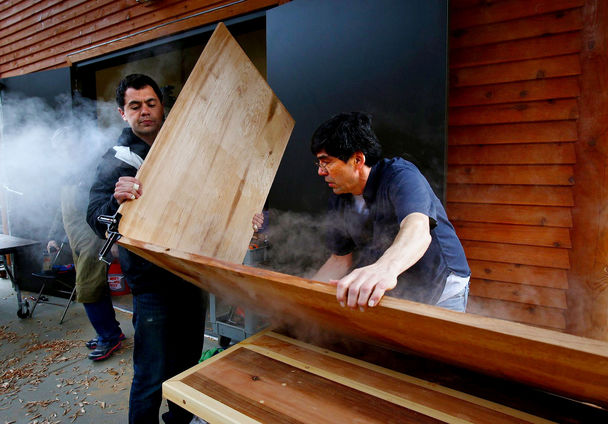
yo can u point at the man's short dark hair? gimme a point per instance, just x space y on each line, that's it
136 81
347 133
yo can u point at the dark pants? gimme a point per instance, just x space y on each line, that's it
103 318
169 334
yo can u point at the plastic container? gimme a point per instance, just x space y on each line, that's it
116 280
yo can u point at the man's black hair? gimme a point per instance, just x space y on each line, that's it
136 81
347 133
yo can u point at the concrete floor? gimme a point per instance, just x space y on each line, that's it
45 376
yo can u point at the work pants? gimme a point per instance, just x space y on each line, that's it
103 318
169 335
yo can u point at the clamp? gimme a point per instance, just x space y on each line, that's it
113 235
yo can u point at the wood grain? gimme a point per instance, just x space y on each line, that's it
518 352
510 214
515 234
512 174
216 155
517 273
514 133
516 154
520 70
273 378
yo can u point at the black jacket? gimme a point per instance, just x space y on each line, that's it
141 275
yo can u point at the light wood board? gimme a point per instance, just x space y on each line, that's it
213 162
560 363
271 378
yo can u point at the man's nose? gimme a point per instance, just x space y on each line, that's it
322 171
145 110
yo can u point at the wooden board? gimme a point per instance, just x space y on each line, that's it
560 363
271 378
212 164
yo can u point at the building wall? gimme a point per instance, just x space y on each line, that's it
49 34
513 126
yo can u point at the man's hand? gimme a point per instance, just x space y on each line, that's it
364 286
257 222
52 246
127 188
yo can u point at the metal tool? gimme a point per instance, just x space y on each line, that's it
113 235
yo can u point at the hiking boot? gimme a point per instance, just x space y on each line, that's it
92 344
104 350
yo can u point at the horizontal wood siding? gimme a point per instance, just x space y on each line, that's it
513 110
49 34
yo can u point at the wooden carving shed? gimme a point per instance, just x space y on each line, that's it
230 129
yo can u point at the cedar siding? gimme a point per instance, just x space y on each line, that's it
515 72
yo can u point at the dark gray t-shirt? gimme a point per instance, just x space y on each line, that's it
395 188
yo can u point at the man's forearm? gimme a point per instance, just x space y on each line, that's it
334 268
410 244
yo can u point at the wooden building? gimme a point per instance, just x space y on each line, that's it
526 151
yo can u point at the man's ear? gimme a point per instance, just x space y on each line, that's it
122 114
359 159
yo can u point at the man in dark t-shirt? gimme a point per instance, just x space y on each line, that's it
389 231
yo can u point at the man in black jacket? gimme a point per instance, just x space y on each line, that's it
168 312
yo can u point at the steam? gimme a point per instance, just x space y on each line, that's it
34 166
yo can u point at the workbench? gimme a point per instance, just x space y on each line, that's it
10 245
272 378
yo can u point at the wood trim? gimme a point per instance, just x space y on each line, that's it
527 132
547 257
521 70
512 174
520 274
528 27
521 91
513 154
588 294
510 214
508 51
552 318
519 293
527 235
547 110
489 12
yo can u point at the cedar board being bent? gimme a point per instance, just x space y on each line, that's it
214 160
560 363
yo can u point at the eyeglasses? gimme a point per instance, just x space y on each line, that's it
322 165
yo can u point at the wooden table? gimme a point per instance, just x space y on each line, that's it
271 378
10 245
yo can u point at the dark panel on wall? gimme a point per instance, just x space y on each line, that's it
386 57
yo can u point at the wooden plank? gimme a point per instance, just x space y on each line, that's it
512 174
517 273
528 132
513 154
282 393
518 312
542 89
548 110
510 214
525 354
491 12
533 26
15 10
519 293
224 138
588 312
549 67
440 401
510 195
509 51
529 235
549 257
